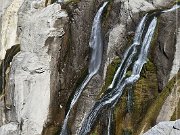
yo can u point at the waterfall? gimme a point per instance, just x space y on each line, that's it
110 117
96 46
110 99
129 54
130 100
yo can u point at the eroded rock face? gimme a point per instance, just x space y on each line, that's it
165 46
162 3
30 99
8 29
170 104
28 91
9 129
136 6
176 63
9 26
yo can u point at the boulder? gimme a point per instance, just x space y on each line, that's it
165 128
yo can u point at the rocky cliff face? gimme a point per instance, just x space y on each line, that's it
44 56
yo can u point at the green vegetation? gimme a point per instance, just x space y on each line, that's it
111 69
121 123
176 114
96 128
127 132
128 74
107 11
95 133
154 41
174 2
155 107
145 91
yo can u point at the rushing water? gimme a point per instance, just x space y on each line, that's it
175 7
120 81
96 46
129 54
142 40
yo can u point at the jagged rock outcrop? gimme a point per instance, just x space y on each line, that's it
9 26
165 46
8 38
27 95
176 63
170 104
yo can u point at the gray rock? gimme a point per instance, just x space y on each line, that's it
165 128
135 6
165 47
29 86
9 129
176 64
177 125
170 105
161 3
2 114
9 26
161 128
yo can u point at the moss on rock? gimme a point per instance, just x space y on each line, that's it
119 115
144 92
111 69
176 114
154 109
95 133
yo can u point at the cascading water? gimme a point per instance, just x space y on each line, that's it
96 46
129 54
127 60
175 7
120 81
